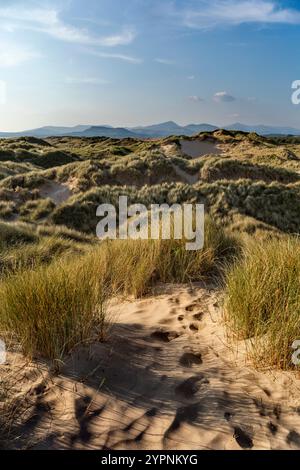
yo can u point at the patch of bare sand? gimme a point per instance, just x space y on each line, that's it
164 379
185 176
57 192
199 148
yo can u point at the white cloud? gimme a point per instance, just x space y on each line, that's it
85 81
12 55
191 77
164 61
223 97
196 99
48 21
204 14
123 57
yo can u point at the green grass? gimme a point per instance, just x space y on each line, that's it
254 189
263 299
24 246
36 210
52 309
33 255
133 267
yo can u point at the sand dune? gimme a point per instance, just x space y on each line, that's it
164 379
198 148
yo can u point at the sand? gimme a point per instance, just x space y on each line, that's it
185 176
199 148
166 378
58 193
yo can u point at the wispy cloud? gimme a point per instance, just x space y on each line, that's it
12 55
223 97
85 81
49 21
116 56
164 61
191 77
204 14
196 98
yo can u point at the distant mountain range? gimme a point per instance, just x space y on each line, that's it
164 129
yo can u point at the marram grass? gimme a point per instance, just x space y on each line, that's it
263 299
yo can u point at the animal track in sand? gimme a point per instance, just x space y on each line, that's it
189 359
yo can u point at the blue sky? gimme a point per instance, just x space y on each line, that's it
65 62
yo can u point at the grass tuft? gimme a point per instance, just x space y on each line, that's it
263 299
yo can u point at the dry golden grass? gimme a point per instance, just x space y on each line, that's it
53 308
263 299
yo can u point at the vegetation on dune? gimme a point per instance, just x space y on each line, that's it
56 277
135 266
36 209
52 308
263 299
233 169
24 246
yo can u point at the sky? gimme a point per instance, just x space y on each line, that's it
139 62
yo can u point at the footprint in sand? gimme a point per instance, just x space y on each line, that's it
186 414
243 437
273 428
191 386
198 316
194 327
165 336
189 359
192 307
293 438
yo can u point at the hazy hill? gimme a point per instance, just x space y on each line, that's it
160 130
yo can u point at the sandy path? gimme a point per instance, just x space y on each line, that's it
164 379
